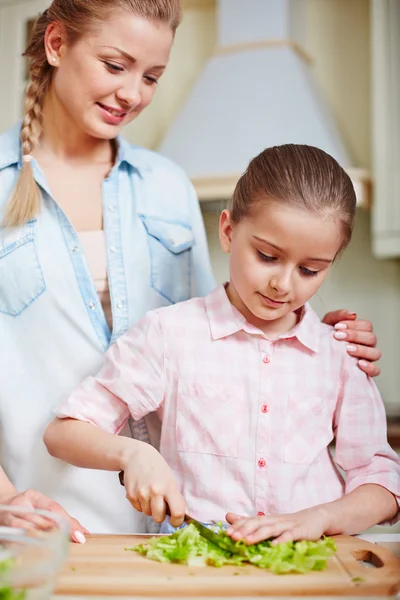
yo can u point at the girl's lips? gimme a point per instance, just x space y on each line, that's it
270 302
110 115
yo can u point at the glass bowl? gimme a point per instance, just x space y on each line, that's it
33 546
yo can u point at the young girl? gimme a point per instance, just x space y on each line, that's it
250 386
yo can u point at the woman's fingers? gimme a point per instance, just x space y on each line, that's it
338 316
355 336
369 368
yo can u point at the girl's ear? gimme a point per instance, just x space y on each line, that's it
225 230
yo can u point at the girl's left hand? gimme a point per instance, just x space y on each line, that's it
309 524
359 335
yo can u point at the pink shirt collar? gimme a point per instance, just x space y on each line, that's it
226 320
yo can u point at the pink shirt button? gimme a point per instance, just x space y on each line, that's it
265 408
260 513
266 359
262 462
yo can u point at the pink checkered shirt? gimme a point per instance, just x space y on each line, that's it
246 422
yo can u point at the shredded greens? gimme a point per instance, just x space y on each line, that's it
7 592
187 546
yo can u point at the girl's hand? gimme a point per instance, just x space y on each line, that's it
360 337
150 485
34 499
309 524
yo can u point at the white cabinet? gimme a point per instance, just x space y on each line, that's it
385 20
15 18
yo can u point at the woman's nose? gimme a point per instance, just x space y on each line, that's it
130 94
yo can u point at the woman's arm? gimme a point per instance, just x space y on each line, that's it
7 489
10 496
149 482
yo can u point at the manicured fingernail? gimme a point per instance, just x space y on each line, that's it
351 348
79 537
352 314
363 363
340 335
340 326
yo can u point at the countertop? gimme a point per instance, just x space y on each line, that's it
389 540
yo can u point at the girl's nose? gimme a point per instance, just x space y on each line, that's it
281 282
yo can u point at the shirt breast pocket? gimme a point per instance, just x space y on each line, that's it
21 277
209 420
308 429
170 257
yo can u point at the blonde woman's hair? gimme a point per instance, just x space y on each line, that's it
77 18
301 176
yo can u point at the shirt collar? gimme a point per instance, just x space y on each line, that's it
225 320
11 151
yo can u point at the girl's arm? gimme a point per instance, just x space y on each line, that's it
357 511
149 481
131 382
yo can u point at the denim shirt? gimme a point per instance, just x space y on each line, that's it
53 332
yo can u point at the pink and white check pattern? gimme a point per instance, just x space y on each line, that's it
246 422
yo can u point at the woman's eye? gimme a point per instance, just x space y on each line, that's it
308 272
265 257
112 68
151 80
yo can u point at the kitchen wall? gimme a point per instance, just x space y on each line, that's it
338 39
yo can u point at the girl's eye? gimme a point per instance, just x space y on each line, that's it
112 68
307 272
264 257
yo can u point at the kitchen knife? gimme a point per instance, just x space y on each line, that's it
204 531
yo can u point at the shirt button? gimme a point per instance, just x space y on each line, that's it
266 359
260 513
74 248
120 304
113 249
265 408
111 208
262 462
91 305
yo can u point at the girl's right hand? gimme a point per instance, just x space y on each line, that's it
150 486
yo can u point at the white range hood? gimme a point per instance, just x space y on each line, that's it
257 90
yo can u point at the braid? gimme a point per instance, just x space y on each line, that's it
25 201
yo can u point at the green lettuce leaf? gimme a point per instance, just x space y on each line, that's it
187 546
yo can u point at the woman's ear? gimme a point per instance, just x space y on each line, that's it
225 230
54 43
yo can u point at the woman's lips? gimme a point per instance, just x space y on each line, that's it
111 115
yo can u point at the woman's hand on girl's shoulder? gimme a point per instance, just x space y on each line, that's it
359 336
34 499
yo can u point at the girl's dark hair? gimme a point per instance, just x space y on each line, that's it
77 18
300 176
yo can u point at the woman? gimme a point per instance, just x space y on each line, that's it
98 231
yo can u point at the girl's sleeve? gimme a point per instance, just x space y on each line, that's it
362 449
131 381
202 278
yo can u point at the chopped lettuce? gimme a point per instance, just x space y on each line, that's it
7 592
187 546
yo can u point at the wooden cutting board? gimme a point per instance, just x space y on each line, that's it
102 566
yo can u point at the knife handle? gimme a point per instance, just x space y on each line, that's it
121 480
